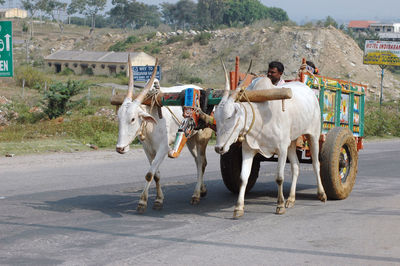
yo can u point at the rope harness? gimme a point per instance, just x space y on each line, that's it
153 96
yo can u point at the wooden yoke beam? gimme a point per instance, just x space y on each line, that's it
215 98
267 95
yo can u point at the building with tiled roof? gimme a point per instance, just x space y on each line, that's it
360 25
98 63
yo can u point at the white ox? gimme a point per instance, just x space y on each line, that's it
157 134
274 132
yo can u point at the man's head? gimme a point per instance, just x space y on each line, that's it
275 71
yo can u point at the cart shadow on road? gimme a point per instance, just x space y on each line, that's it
177 200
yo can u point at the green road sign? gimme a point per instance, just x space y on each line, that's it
6 49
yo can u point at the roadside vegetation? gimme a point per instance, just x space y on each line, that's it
46 112
60 114
382 121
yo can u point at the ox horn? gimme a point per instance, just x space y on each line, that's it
129 95
146 89
241 83
227 85
247 73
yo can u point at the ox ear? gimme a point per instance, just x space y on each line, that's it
147 117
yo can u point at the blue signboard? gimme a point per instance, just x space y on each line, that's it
143 73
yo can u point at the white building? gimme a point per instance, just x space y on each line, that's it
13 13
387 31
385 27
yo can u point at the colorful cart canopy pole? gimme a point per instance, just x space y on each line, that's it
6 49
386 53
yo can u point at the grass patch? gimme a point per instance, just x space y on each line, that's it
41 146
96 130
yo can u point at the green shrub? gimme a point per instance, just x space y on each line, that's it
123 45
118 47
185 55
174 39
25 114
155 50
58 97
189 42
382 121
25 27
89 71
203 38
33 77
150 35
195 80
132 39
67 71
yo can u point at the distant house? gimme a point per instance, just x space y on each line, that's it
385 27
387 31
98 63
13 13
360 25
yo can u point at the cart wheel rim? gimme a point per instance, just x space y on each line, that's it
344 163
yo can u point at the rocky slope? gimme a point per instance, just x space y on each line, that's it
334 53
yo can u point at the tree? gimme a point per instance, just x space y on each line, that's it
186 12
329 21
52 8
168 13
31 6
135 14
277 14
183 13
210 13
244 12
87 7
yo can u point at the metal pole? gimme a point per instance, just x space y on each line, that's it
382 75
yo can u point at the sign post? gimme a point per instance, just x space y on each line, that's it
382 53
143 73
6 49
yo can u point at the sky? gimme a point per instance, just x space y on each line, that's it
302 11
341 10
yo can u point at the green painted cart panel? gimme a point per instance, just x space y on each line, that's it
341 102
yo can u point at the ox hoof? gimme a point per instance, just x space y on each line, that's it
280 210
322 197
289 203
141 208
157 205
238 213
195 201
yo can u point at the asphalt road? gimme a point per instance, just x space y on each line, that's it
79 209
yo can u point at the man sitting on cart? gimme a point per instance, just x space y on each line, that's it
275 71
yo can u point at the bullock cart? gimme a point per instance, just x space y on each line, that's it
342 127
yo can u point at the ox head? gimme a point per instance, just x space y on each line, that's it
229 118
131 115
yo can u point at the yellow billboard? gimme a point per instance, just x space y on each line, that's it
382 53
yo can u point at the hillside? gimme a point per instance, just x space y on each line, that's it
334 53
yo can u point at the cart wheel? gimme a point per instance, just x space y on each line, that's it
339 162
231 166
